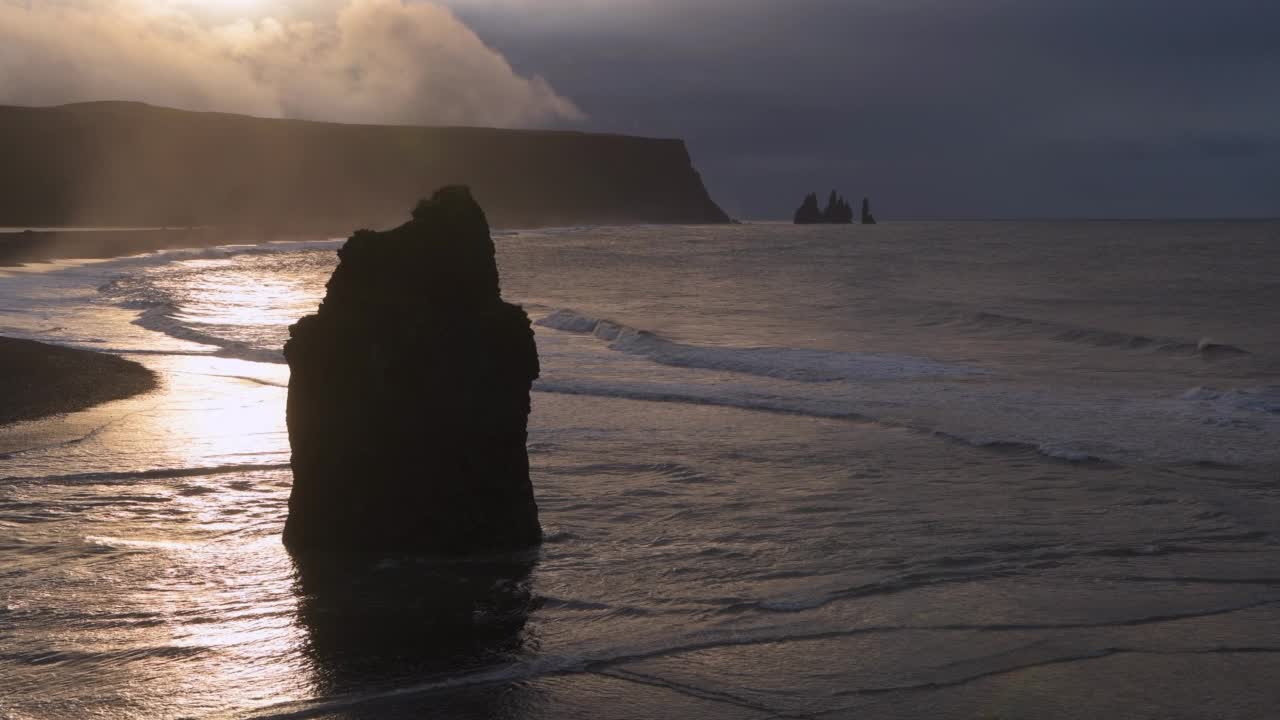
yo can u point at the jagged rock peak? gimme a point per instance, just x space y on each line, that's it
838 210
444 255
867 217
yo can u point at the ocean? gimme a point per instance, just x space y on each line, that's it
916 470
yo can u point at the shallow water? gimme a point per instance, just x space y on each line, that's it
916 470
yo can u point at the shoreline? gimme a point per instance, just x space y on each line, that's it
38 380
33 246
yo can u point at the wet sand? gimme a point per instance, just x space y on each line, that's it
39 380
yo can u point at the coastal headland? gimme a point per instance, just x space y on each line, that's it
126 164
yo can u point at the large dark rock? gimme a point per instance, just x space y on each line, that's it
409 395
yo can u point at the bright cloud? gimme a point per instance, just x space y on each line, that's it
376 61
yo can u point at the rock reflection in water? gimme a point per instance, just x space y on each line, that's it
378 623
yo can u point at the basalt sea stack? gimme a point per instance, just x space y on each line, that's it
409 396
837 212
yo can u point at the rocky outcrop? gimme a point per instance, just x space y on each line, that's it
808 213
409 395
838 211
867 217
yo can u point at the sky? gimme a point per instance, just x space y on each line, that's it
934 108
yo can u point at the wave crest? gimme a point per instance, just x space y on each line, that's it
797 364
1014 326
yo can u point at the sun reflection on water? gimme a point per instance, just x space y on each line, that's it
237 292
165 583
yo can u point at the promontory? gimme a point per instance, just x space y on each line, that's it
124 164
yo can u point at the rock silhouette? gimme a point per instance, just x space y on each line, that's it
838 211
808 212
409 396
867 217
126 164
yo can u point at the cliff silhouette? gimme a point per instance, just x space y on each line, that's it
130 164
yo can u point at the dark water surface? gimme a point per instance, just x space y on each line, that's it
1015 470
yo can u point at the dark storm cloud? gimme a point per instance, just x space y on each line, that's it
935 107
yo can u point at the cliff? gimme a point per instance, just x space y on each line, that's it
129 164
409 396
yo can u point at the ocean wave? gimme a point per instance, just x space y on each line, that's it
159 311
1058 450
164 318
1062 447
1264 399
219 252
109 478
744 399
1097 337
798 364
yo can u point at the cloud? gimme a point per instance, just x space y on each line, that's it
934 107
376 61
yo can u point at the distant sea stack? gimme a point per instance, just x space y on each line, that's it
409 396
118 164
838 211
867 217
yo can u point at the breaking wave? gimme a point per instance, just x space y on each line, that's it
164 318
797 364
1012 326
1264 399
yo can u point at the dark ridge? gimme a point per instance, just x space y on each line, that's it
118 164
39 380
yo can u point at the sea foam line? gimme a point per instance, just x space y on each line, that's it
798 364
107 478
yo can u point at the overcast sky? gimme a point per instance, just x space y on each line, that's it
934 108
944 108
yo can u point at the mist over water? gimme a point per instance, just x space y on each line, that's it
920 470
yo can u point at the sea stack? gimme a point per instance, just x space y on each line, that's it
867 217
409 396
837 212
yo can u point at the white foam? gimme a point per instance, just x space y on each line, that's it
1263 399
799 364
163 318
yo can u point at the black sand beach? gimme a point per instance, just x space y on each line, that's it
38 380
